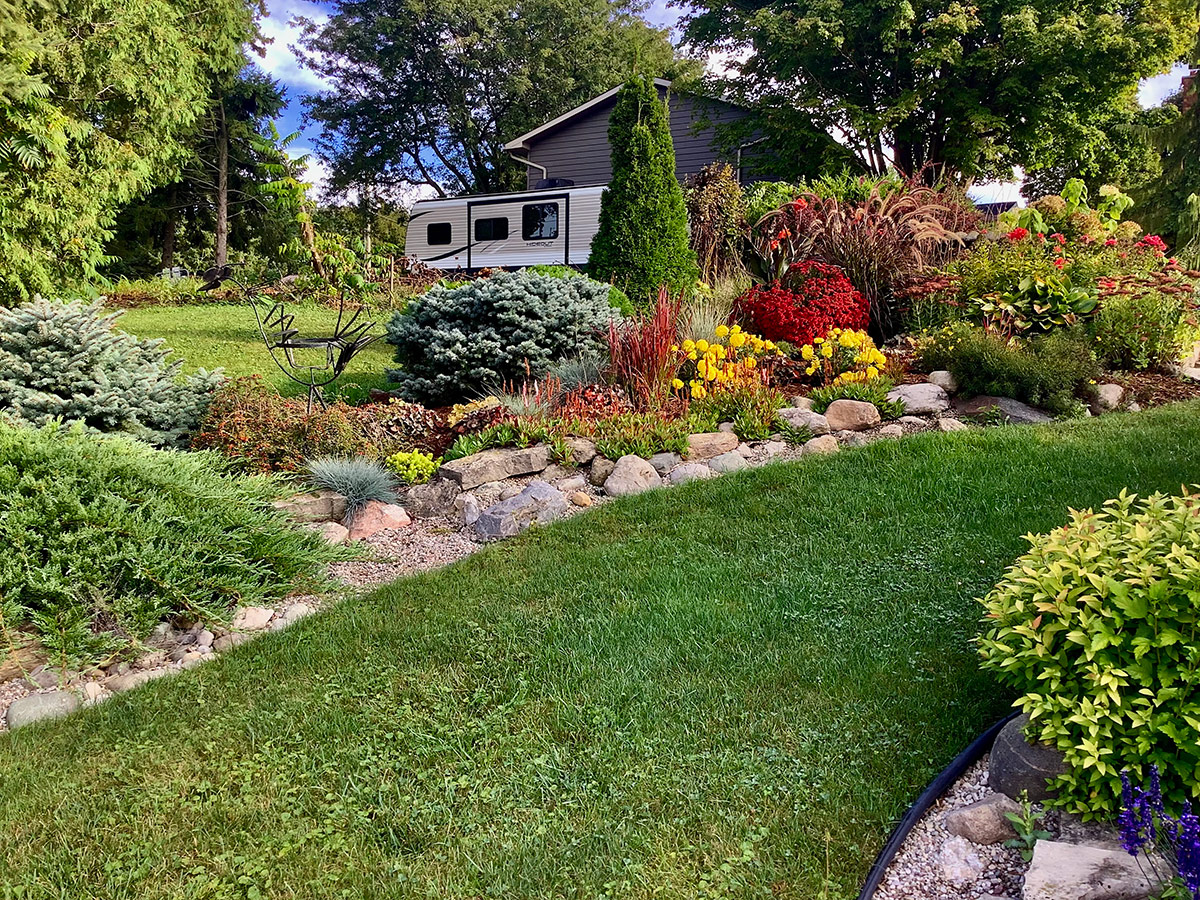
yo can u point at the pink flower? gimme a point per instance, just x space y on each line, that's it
1059 262
1111 242
1058 239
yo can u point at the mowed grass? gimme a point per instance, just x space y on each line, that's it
225 335
725 689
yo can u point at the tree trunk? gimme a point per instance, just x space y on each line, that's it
170 227
222 236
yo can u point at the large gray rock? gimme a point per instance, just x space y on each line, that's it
945 380
851 415
803 417
1062 871
495 465
1016 766
983 822
633 475
921 399
690 472
665 462
707 445
728 462
582 450
539 502
601 468
427 501
1014 412
1108 397
37 707
315 506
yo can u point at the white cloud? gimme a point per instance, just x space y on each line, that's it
1153 91
280 60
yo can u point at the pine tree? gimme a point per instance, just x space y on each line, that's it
642 242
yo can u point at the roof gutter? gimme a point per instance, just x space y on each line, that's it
530 163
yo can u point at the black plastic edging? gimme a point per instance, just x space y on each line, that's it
937 787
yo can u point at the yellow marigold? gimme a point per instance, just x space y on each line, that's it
677 384
702 345
722 330
818 340
872 372
810 370
689 346
674 348
737 340
806 352
827 350
692 355
699 392
736 329
750 362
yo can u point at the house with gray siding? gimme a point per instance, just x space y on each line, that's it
574 146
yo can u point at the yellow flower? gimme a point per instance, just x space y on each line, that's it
737 340
810 370
818 340
699 392
736 329
770 345
872 372
674 348
806 352
722 330
750 363
702 345
692 355
677 384
827 350
688 346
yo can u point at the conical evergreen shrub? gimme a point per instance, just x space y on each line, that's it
63 361
642 241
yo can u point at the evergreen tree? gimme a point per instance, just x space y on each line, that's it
642 241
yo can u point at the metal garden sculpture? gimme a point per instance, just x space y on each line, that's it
283 339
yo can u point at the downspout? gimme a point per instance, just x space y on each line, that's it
529 162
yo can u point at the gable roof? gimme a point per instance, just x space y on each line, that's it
523 142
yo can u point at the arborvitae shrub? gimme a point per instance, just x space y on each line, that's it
64 361
642 241
454 343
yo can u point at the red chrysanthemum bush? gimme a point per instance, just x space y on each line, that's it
811 299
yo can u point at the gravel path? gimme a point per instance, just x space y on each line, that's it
425 544
918 871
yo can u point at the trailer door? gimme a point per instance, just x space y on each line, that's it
523 231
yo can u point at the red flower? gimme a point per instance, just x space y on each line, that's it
1058 239
784 234
813 298
1087 239
1018 234
1111 242
799 203
1154 242
774 245
1059 262
1041 238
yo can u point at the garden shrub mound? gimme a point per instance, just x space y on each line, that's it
811 300
1097 626
105 537
64 361
506 329
716 690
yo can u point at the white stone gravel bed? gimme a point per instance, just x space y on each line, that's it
923 868
425 544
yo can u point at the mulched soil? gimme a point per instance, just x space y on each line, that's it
1151 389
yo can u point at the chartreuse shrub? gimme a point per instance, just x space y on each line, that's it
500 330
104 537
414 467
63 361
1097 626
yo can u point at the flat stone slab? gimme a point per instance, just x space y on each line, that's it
921 399
1062 871
495 465
1013 411
39 707
707 445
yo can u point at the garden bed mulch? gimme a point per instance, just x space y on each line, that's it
1154 389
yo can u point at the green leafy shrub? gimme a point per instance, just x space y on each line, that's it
750 406
1050 371
639 433
358 480
413 467
1139 330
64 361
105 537
642 240
765 197
499 330
259 430
1097 627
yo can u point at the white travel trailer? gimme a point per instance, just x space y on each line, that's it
552 226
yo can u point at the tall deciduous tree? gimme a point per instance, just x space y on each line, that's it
426 92
94 111
970 89
642 241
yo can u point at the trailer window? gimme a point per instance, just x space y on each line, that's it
539 222
438 233
491 229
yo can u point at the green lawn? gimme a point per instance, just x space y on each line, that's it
226 336
717 690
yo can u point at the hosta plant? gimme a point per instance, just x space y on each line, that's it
1098 628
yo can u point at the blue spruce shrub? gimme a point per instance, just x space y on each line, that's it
456 342
63 361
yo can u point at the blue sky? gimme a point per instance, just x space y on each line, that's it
281 63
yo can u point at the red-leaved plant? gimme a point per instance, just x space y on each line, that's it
811 299
641 358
